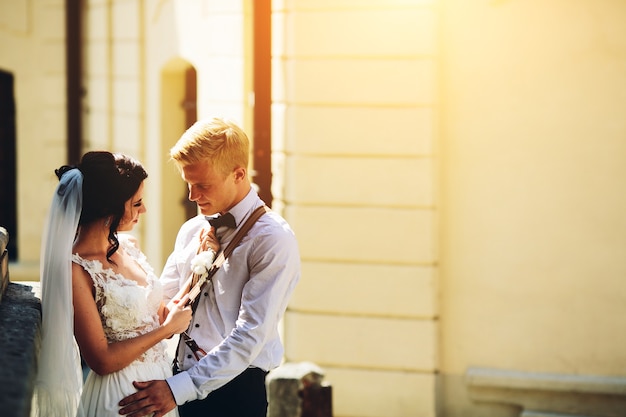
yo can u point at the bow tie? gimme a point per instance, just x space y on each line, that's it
227 220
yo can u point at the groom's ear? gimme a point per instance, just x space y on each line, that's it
239 174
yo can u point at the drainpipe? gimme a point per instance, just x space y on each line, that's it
73 79
262 149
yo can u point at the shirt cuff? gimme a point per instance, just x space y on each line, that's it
182 388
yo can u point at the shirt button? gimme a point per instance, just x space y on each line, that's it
206 294
188 356
197 325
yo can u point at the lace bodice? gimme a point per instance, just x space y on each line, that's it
126 308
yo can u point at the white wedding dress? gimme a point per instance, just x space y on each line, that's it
126 310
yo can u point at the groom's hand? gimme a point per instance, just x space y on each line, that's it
151 397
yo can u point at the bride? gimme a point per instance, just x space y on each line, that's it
99 294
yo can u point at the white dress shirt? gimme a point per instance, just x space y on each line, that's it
237 317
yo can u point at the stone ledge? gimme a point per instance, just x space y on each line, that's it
20 326
542 414
553 395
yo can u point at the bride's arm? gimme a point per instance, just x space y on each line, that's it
104 357
164 309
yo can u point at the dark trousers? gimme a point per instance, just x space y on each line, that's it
244 396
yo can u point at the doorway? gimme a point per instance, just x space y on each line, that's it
178 113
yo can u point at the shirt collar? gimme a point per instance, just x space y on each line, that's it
241 210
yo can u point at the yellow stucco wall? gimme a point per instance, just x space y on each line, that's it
32 49
535 154
355 93
533 231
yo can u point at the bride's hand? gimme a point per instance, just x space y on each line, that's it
179 316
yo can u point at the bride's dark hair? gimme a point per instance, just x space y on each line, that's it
109 180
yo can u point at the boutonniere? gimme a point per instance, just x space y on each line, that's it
201 263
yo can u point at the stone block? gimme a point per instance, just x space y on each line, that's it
4 261
298 390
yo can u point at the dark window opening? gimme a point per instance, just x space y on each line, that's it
8 178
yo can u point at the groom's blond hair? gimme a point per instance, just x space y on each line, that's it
218 141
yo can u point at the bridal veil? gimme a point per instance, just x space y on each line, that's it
59 378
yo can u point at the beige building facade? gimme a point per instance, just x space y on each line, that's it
453 169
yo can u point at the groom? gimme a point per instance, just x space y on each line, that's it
237 318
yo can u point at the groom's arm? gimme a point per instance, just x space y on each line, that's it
151 397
